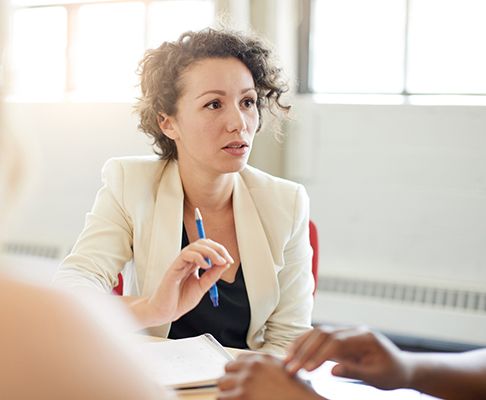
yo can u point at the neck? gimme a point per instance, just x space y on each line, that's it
209 193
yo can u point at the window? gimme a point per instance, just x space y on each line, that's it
106 58
397 46
90 51
38 68
447 42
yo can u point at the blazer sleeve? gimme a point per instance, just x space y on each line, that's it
292 316
105 245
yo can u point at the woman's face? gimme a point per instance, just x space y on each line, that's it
216 117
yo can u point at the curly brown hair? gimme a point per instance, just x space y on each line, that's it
161 71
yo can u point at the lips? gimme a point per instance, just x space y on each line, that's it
236 148
236 145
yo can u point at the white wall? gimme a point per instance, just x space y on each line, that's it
75 140
398 194
397 190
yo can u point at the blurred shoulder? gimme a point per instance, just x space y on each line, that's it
33 309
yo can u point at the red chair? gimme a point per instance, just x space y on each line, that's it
118 290
314 241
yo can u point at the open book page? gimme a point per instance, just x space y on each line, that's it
182 363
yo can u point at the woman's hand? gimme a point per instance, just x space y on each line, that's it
361 354
181 288
261 376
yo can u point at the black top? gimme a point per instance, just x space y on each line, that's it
228 323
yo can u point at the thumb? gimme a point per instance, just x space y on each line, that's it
211 276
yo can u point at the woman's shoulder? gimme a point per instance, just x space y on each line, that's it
135 168
134 162
255 178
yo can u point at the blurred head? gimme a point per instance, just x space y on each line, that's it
162 70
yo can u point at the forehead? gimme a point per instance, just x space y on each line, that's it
217 73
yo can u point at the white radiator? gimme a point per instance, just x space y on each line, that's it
32 260
427 312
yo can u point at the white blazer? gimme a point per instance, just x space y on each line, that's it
136 226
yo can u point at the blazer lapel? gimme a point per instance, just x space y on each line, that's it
165 241
256 257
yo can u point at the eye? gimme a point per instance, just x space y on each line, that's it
249 102
213 105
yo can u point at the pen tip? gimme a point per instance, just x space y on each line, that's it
198 214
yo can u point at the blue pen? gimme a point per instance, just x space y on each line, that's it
213 291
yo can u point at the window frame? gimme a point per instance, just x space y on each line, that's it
304 53
72 32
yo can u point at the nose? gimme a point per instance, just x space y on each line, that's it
236 120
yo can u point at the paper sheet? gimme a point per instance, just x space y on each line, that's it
184 362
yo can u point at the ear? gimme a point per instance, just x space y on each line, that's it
166 124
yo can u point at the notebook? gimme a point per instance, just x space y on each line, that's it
186 364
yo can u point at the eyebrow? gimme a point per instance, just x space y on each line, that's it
222 92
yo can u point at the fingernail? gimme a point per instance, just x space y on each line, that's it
290 367
309 365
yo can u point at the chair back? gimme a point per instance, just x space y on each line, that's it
314 241
118 290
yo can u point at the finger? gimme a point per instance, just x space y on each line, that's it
248 356
218 248
211 276
295 345
221 250
240 362
198 254
232 366
336 346
346 371
323 344
343 345
351 344
305 356
230 394
226 382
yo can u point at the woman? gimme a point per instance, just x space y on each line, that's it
202 100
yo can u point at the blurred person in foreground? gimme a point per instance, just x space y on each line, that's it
360 353
51 347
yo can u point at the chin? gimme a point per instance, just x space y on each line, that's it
235 167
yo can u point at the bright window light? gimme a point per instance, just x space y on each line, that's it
447 46
110 44
39 51
357 46
89 50
169 19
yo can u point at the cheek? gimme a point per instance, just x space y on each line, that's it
253 123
